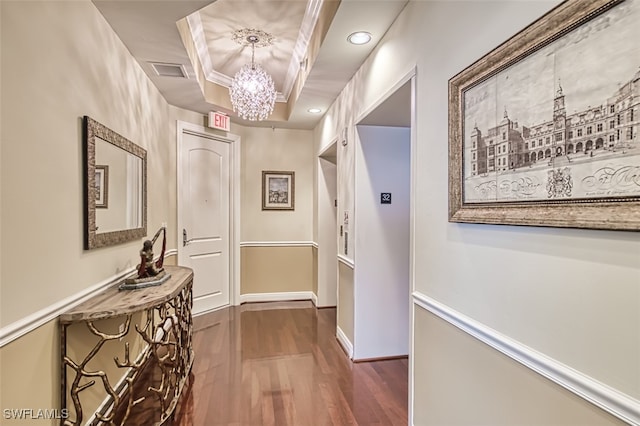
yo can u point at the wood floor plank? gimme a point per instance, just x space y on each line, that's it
280 364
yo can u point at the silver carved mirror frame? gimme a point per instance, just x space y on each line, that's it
95 134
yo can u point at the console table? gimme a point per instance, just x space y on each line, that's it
145 335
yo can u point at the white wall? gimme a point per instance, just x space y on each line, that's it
381 278
571 295
327 233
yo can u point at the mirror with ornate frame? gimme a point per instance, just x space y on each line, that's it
115 172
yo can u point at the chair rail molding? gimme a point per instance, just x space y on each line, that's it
19 328
611 400
346 261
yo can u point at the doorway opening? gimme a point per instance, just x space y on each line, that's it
382 274
327 283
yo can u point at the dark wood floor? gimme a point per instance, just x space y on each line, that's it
280 364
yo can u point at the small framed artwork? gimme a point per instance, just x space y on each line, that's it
102 187
278 190
545 129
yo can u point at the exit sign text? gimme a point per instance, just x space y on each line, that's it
219 121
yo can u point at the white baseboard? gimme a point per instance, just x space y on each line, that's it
314 299
276 297
208 311
19 328
616 403
277 244
344 342
205 304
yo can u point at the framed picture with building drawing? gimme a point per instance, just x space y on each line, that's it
278 190
545 129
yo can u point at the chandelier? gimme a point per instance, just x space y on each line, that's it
252 91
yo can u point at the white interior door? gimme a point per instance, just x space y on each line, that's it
204 217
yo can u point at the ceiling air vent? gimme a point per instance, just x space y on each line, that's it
169 70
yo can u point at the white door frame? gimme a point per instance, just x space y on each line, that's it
234 142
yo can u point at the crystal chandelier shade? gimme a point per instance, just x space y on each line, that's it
252 92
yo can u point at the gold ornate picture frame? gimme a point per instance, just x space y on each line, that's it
545 129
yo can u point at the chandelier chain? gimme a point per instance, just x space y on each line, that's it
253 55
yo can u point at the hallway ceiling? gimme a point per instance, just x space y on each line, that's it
310 59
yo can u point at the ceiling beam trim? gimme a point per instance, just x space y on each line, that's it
196 29
312 12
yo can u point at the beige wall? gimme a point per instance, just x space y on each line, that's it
283 150
345 312
276 269
462 381
30 371
570 294
61 61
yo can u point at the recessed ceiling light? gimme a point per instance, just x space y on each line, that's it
360 37
314 110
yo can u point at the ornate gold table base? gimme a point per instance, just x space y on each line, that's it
163 367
